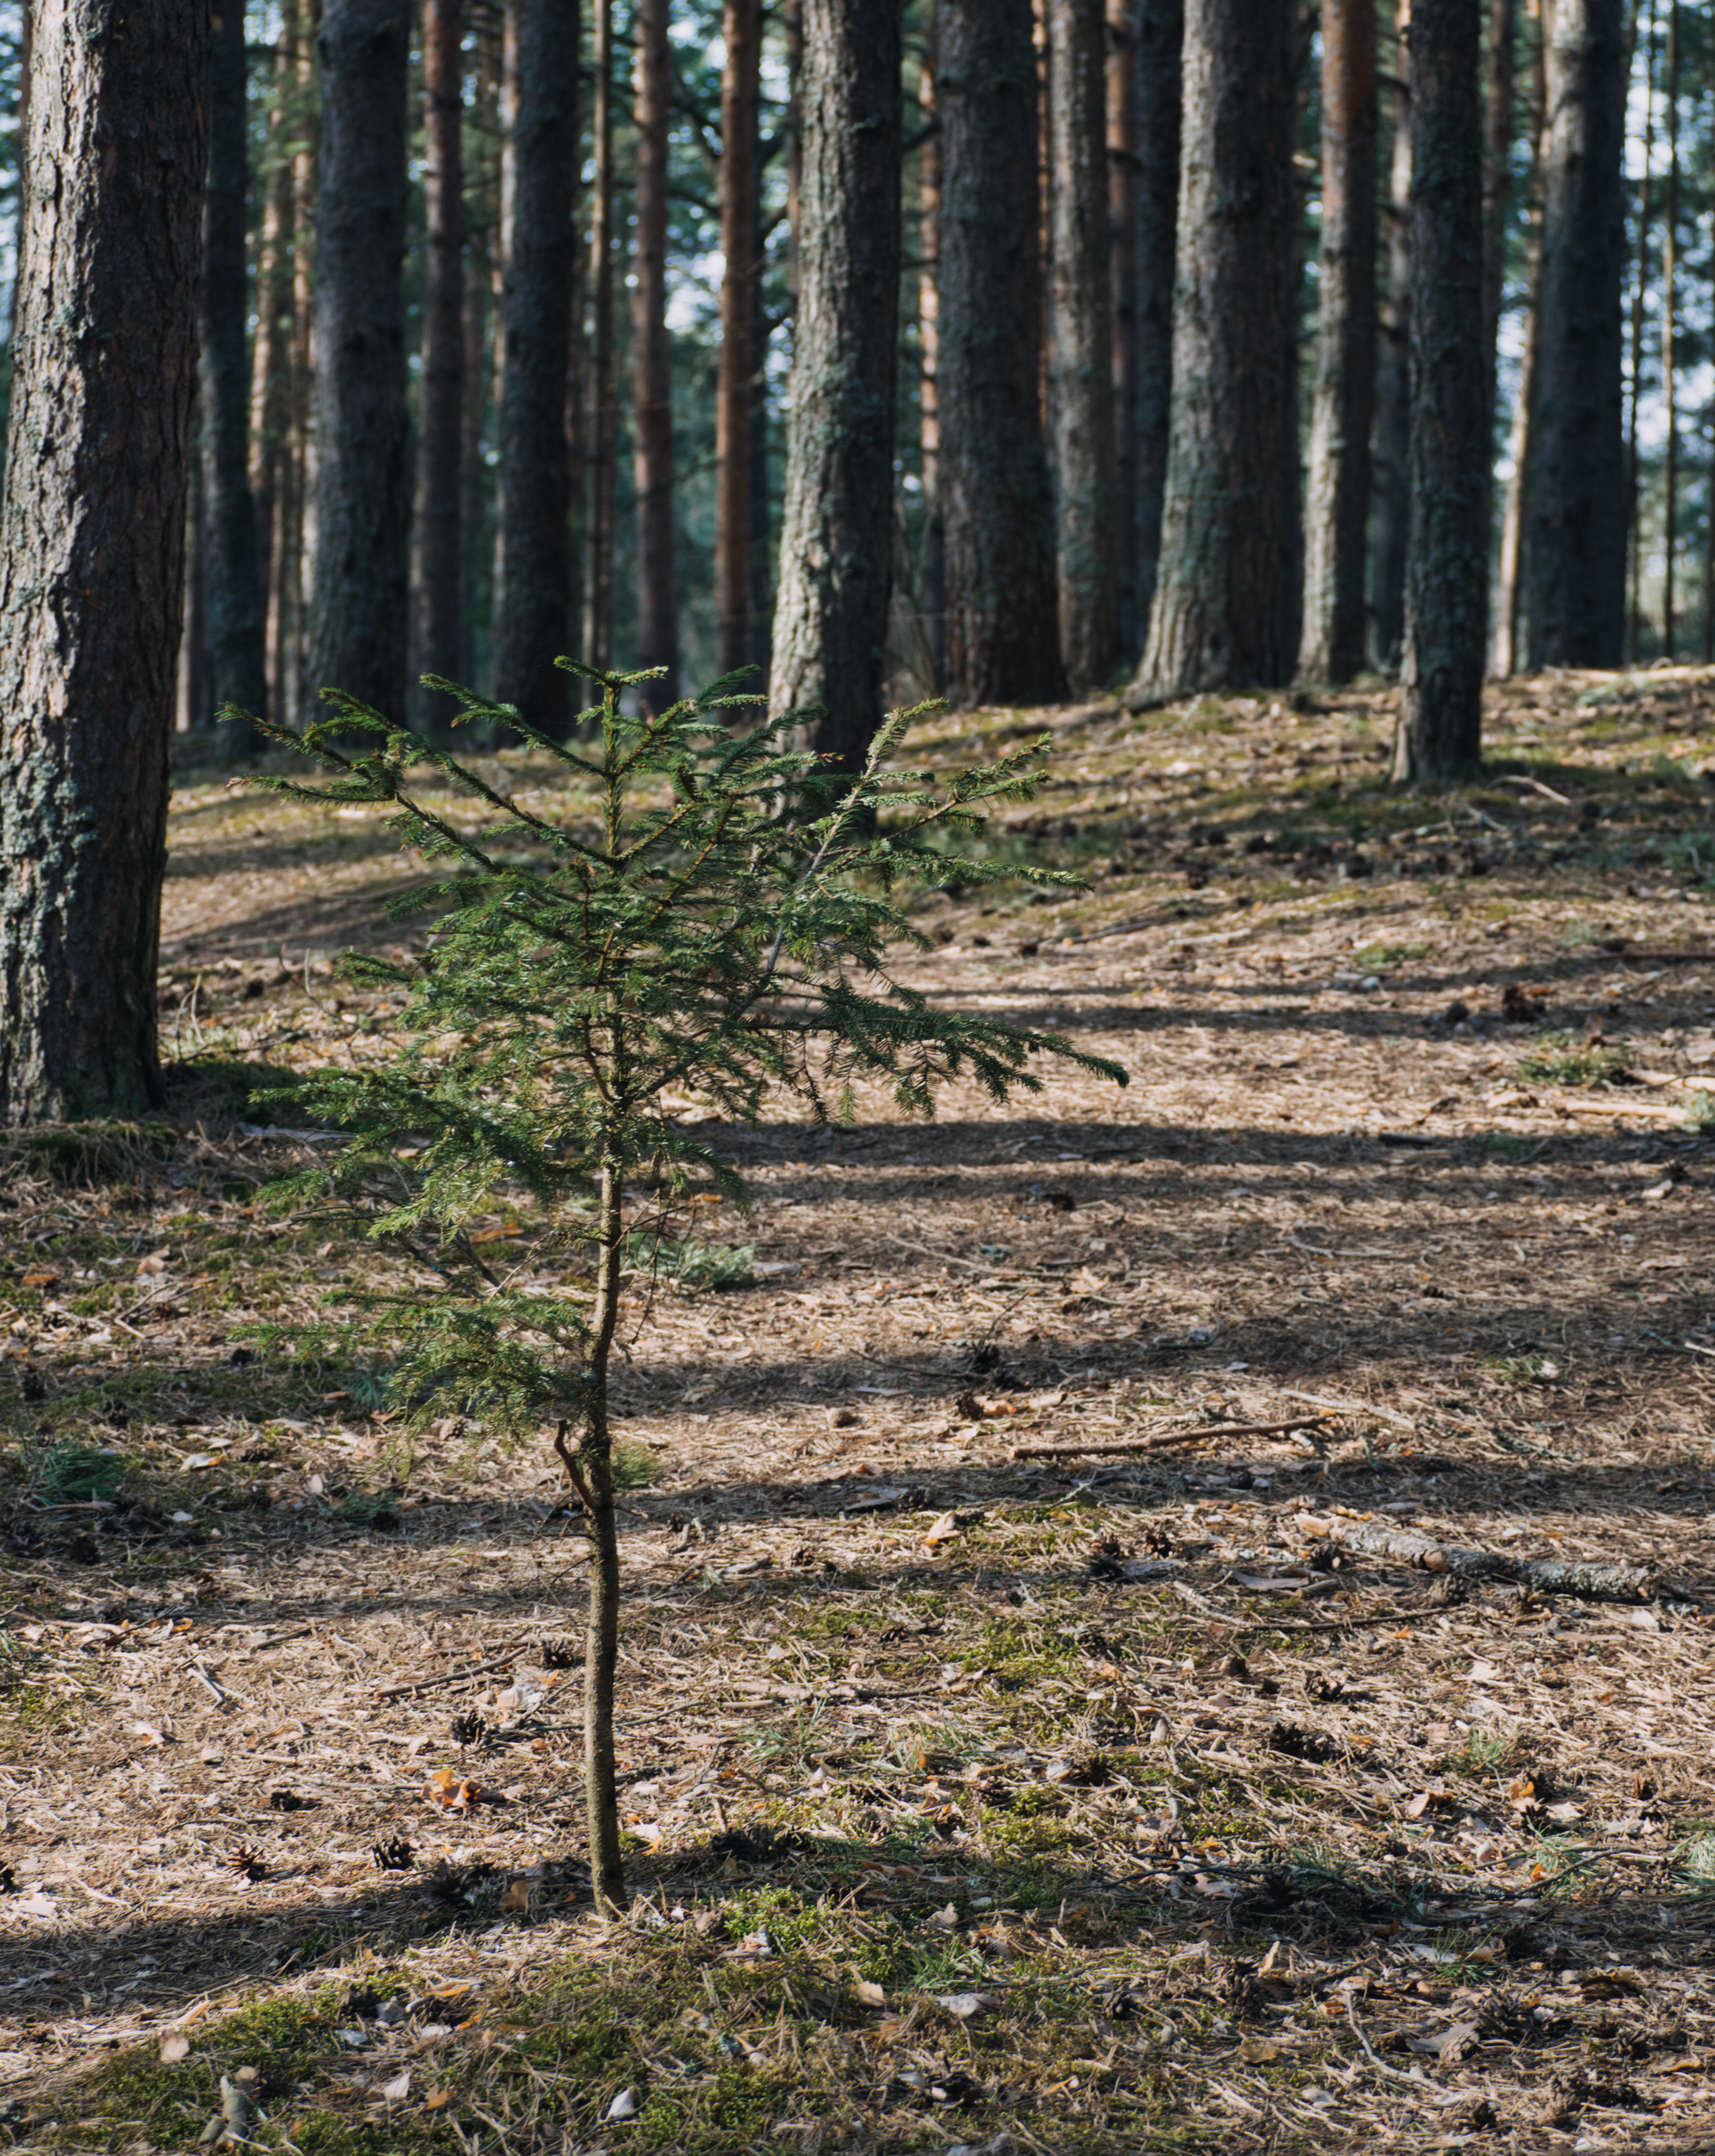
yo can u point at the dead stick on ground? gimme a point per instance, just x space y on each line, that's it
1354 1407
450 1677
1613 1583
1166 1437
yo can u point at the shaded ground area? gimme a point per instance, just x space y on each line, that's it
985 1794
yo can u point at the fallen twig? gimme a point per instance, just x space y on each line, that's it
1163 1438
450 1677
1351 1407
1613 1583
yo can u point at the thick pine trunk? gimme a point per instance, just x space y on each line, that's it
1216 621
603 412
238 649
1577 504
1002 632
92 546
1639 299
270 376
1081 339
358 614
440 414
295 522
538 167
928 352
1439 734
1122 280
651 370
1392 464
740 87
1497 178
1161 35
1509 581
831 616
1337 509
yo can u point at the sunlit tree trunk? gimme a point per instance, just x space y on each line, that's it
1392 463
603 409
1640 296
929 349
1670 334
441 412
652 371
1509 590
740 87
270 376
1160 31
92 546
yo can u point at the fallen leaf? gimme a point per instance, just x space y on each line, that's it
516 1896
1258 2051
397 2090
868 1994
624 2104
437 2100
174 2046
947 1918
41 1279
1429 1800
964 2005
945 1529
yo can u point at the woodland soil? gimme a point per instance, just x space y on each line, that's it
980 1800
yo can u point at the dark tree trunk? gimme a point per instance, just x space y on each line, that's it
1081 339
740 87
1161 35
762 605
237 647
1337 520
1392 456
1670 332
270 376
997 507
92 547
1509 582
603 411
928 351
294 693
192 710
540 160
357 615
1576 503
831 616
1122 280
1498 179
1439 733
1216 622
651 370
441 412
481 226
1640 258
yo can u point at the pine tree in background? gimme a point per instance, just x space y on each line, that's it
1216 621
1337 523
358 619
740 89
539 161
1439 733
1002 630
1577 501
830 624
1081 340
601 404
233 588
651 363
440 411
92 549
1160 36
1391 464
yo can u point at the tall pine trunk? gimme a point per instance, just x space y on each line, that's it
1439 734
1081 339
1577 508
237 626
651 370
1640 300
1509 582
1497 178
831 616
1122 280
1216 621
357 621
296 521
740 87
1392 462
929 351
92 546
1669 342
1160 36
1337 509
270 375
538 166
441 413
1002 631
602 407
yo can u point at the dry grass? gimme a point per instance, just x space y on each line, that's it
1213 1837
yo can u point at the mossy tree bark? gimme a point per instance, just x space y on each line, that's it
1002 632
830 624
540 160
1081 339
1337 521
1439 734
1576 561
358 621
441 415
236 618
92 545
1216 621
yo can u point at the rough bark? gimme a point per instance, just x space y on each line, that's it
358 619
1217 618
1122 281
1392 462
1081 340
1577 508
1337 503
1498 169
831 616
1439 734
1670 341
651 373
1002 631
602 413
192 710
538 167
1509 583
237 630
440 411
740 87
297 510
1546 1576
271 374
92 546
1640 296
928 352
1161 35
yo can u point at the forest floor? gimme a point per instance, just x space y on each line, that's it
982 1798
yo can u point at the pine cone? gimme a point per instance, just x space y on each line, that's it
395 1854
247 1862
